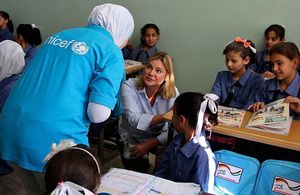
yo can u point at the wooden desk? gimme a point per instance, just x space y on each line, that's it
133 69
290 141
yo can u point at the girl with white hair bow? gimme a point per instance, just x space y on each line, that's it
72 81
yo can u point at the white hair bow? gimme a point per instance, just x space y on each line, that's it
209 99
70 188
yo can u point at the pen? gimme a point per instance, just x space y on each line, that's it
158 192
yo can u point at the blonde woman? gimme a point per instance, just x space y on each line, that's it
145 100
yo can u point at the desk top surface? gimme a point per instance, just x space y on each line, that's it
290 141
133 69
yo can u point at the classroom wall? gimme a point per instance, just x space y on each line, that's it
193 32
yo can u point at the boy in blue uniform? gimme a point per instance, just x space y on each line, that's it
189 157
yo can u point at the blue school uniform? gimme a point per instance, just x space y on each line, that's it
261 65
6 86
189 163
244 92
138 54
270 91
5 34
29 51
49 102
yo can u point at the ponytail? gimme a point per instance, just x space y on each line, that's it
9 25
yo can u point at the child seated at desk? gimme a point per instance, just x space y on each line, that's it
189 157
285 60
237 86
273 34
150 34
72 170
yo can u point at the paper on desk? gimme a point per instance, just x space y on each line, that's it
167 187
121 181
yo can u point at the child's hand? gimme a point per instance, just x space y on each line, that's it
294 103
268 75
256 106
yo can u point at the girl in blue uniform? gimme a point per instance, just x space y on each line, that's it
286 84
28 36
6 27
236 87
189 157
150 34
273 34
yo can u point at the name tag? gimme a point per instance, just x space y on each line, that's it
229 172
285 186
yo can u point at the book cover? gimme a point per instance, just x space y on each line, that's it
274 117
230 116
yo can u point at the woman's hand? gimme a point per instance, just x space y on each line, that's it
143 148
294 103
256 106
268 75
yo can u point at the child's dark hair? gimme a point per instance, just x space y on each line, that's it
73 165
145 27
188 104
31 34
288 49
239 47
9 24
279 30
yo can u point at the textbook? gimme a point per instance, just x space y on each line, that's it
121 181
274 117
232 117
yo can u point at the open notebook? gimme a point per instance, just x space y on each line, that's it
121 181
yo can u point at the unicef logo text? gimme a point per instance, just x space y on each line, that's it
80 48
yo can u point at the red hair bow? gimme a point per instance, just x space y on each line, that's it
246 44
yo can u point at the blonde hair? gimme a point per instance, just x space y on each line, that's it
167 88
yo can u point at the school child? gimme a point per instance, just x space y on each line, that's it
6 27
149 36
273 34
236 87
286 84
72 170
189 157
28 36
285 60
